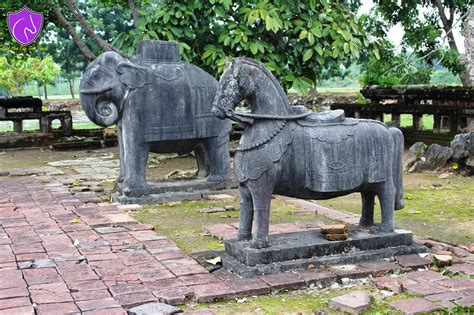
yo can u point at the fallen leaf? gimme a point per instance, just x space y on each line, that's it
214 261
75 220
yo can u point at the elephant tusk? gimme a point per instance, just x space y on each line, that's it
96 91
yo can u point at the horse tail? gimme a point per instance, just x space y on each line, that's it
397 167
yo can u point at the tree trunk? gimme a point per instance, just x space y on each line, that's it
70 29
135 14
45 92
88 29
447 24
39 89
71 87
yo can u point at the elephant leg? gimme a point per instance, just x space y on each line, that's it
246 215
119 181
219 159
386 194
202 158
367 217
135 158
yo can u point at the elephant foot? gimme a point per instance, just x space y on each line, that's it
258 243
134 189
216 178
243 236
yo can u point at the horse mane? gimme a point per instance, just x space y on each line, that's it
269 74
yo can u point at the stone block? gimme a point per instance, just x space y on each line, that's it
415 306
349 271
426 288
246 287
318 277
97 304
174 296
41 276
129 300
354 302
206 293
467 269
388 283
48 309
413 261
153 308
425 276
379 267
284 281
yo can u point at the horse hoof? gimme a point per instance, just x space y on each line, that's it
257 244
385 228
366 224
243 236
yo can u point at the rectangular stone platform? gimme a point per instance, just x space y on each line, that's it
300 249
177 190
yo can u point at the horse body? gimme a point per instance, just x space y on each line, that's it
303 159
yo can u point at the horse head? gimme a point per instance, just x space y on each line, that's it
231 90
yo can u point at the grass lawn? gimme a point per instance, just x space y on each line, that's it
439 208
406 120
300 302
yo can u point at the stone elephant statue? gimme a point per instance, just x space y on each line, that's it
159 104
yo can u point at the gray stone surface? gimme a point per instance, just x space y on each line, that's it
433 159
463 148
289 151
415 152
354 302
154 309
307 244
160 104
330 253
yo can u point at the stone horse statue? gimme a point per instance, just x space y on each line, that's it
292 152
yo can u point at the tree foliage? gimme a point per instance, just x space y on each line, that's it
392 69
295 39
300 41
21 69
428 26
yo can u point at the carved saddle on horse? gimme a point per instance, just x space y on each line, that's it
334 149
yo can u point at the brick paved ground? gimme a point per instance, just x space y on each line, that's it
61 253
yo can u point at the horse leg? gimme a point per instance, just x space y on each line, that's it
386 193
261 190
367 217
246 215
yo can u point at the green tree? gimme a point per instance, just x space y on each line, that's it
427 25
295 39
388 72
43 71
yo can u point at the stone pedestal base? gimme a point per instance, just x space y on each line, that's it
300 249
178 190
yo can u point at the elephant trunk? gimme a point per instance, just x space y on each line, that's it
100 110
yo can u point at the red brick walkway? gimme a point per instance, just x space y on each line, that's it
59 255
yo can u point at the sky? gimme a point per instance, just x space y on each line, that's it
395 34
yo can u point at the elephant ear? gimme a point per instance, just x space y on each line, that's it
133 76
